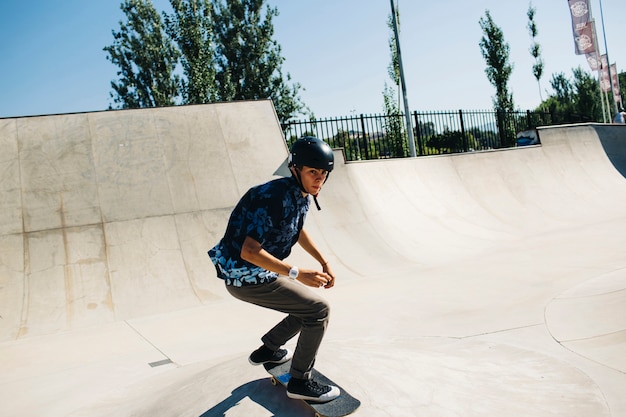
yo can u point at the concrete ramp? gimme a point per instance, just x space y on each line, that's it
483 284
102 212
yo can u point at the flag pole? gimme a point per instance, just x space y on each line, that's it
606 48
598 58
407 113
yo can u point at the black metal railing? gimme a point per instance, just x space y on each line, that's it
435 132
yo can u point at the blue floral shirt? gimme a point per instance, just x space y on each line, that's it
273 214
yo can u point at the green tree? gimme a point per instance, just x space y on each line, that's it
191 27
535 48
574 100
561 103
248 59
393 70
146 59
563 89
587 98
225 48
495 51
393 126
451 141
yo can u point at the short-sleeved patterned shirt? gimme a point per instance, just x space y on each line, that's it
273 214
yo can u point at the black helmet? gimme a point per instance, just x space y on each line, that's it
312 152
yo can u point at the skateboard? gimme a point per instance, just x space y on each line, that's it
341 406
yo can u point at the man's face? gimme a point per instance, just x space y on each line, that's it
312 179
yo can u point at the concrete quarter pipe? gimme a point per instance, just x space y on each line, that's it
484 284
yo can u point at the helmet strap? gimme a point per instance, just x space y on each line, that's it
316 203
296 174
315 196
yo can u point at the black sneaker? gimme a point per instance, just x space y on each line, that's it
309 390
265 355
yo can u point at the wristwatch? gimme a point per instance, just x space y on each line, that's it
293 272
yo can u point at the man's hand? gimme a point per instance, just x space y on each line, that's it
315 279
329 272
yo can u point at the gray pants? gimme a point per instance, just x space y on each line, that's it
307 312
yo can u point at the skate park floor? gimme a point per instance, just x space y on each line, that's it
482 284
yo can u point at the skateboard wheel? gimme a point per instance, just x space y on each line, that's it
274 381
318 415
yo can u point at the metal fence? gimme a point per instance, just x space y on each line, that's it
436 132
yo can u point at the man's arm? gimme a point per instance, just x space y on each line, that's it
253 252
308 245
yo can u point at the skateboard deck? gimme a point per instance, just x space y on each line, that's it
341 406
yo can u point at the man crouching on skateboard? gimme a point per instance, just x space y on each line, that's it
263 227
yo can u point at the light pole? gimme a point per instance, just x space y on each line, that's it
407 113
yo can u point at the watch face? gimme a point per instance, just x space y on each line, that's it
293 273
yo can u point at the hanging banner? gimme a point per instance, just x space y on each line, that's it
585 41
594 61
580 13
604 62
615 78
605 82
592 57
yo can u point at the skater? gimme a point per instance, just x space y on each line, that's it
263 227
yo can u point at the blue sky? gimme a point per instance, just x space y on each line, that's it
53 60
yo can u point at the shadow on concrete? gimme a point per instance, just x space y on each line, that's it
613 140
262 392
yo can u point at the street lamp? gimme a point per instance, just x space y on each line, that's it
407 113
